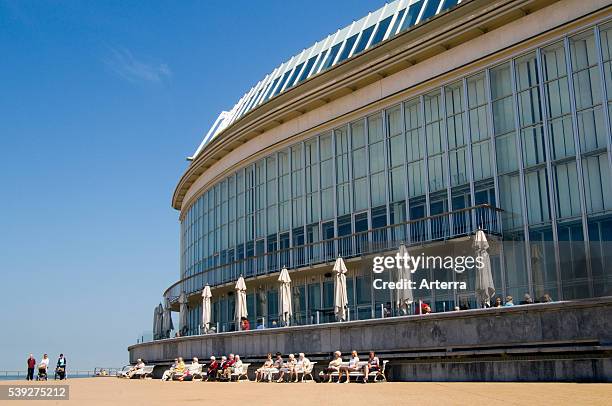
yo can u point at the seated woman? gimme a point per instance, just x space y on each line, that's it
265 368
334 366
353 366
179 371
301 366
373 364
190 371
289 366
237 367
168 373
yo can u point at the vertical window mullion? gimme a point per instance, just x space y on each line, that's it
521 168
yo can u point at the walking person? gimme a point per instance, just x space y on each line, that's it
60 368
31 365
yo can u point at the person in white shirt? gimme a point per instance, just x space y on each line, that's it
43 367
302 365
352 367
138 367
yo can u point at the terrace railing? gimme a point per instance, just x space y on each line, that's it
421 231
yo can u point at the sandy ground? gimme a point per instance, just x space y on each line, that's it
113 391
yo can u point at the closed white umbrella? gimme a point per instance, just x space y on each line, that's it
183 313
484 279
167 320
241 302
284 296
206 308
404 297
340 295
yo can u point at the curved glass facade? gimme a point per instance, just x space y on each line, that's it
530 135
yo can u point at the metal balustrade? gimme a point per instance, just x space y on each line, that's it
438 227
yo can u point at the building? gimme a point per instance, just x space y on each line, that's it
419 124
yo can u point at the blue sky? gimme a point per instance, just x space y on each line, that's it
100 103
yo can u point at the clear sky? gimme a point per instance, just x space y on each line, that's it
100 103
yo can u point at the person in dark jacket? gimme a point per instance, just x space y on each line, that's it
31 365
60 367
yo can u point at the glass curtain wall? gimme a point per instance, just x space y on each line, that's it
530 135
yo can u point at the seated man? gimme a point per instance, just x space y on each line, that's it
168 373
334 366
373 364
301 366
136 368
289 366
353 366
213 367
265 368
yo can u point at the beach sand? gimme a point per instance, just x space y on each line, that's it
114 391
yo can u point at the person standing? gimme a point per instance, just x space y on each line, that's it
31 365
60 368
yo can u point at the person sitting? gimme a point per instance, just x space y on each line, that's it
333 366
425 309
179 371
236 368
213 367
245 325
498 302
289 366
509 301
353 366
526 299
168 373
546 298
301 366
373 364
221 367
225 372
194 369
136 368
265 368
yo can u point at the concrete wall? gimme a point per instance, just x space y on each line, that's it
555 341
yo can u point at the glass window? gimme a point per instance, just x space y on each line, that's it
430 9
597 189
332 55
458 170
363 40
381 30
413 12
346 51
533 145
481 155
505 146
566 186
436 173
537 196
307 69
416 182
397 184
510 196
